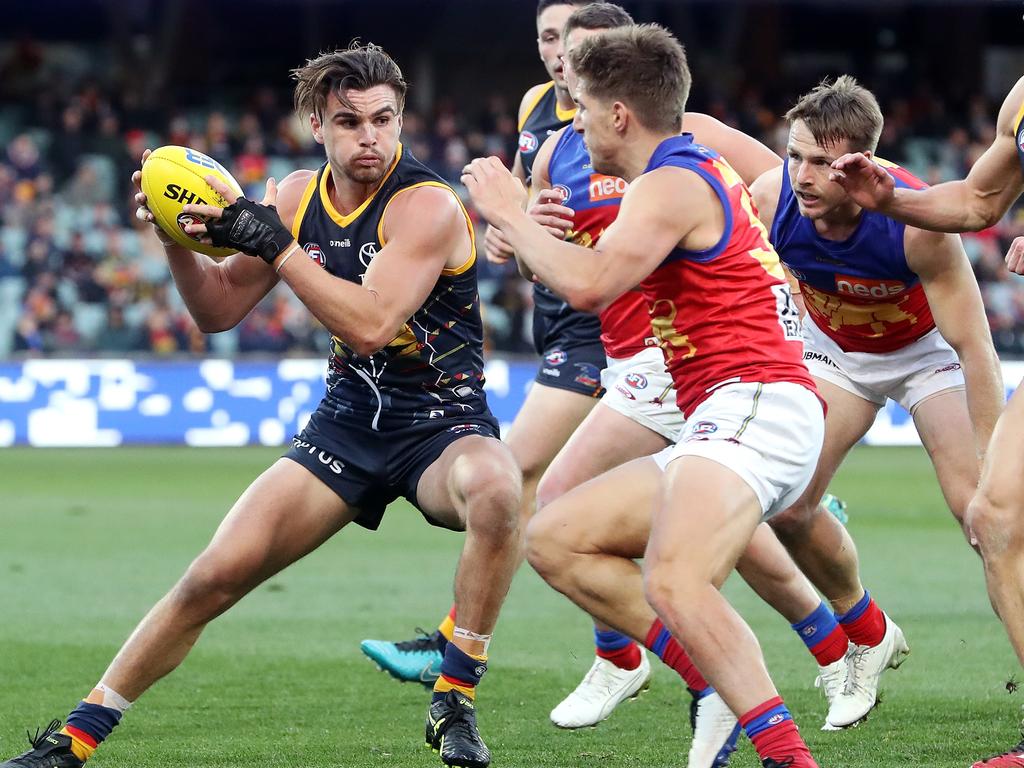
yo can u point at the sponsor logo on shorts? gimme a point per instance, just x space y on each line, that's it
566 192
866 288
603 187
459 429
316 253
819 357
704 428
588 375
636 380
947 368
624 392
333 463
555 357
551 372
528 142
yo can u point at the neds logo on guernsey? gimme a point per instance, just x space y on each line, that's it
867 288
603 187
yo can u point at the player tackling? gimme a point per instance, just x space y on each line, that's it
382 252
723 316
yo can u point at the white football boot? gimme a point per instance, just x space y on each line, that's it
715 730
865 665
832 680
603 688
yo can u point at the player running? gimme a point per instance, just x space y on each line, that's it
387 263
891 312
994 518
567 386
722 314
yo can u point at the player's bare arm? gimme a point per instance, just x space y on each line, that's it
219 295
662 210
496 247
541 203
747 156
425 231
956 305
995 181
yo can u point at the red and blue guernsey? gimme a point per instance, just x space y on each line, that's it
723 315
859 291
595 198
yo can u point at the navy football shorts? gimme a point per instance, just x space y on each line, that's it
369 469
571 354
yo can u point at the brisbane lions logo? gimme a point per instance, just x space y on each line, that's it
316 253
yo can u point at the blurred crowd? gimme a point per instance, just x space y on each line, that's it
80 276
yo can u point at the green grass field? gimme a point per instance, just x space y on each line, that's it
90 539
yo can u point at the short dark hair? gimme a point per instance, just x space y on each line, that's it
841 110
643 66
358 67
543 5
598 15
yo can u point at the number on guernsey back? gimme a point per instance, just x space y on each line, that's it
789 315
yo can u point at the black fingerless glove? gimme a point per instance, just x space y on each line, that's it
250 228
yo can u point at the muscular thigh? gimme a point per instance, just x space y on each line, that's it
605 440
610 514
1002 479
847 420
474 464
283 515
545 421
945 428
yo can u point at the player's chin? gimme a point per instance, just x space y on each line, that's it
364 175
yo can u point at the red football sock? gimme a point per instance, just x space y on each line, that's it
668 649
627 657
868 628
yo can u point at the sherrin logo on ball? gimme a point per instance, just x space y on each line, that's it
173 177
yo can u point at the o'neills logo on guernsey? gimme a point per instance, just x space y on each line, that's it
866 288
603 187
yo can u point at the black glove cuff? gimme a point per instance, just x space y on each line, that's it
251 228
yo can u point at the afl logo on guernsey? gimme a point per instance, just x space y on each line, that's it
1020 137
316 253
528 142
566 192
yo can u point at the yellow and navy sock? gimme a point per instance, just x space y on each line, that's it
460 671
447 629
93 719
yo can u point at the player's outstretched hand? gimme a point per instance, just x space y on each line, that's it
142 213
865 181
548 211
496 193
252 228
496 247
1015 256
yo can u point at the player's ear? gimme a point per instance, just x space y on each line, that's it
620 117
868 154
318 129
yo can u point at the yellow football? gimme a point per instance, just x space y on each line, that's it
173 176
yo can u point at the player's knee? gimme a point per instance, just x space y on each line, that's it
996 527
210 586
545 549
492 493
791 525
666 588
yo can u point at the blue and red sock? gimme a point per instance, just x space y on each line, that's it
667 648
773 733
864 624
823 636
617 648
